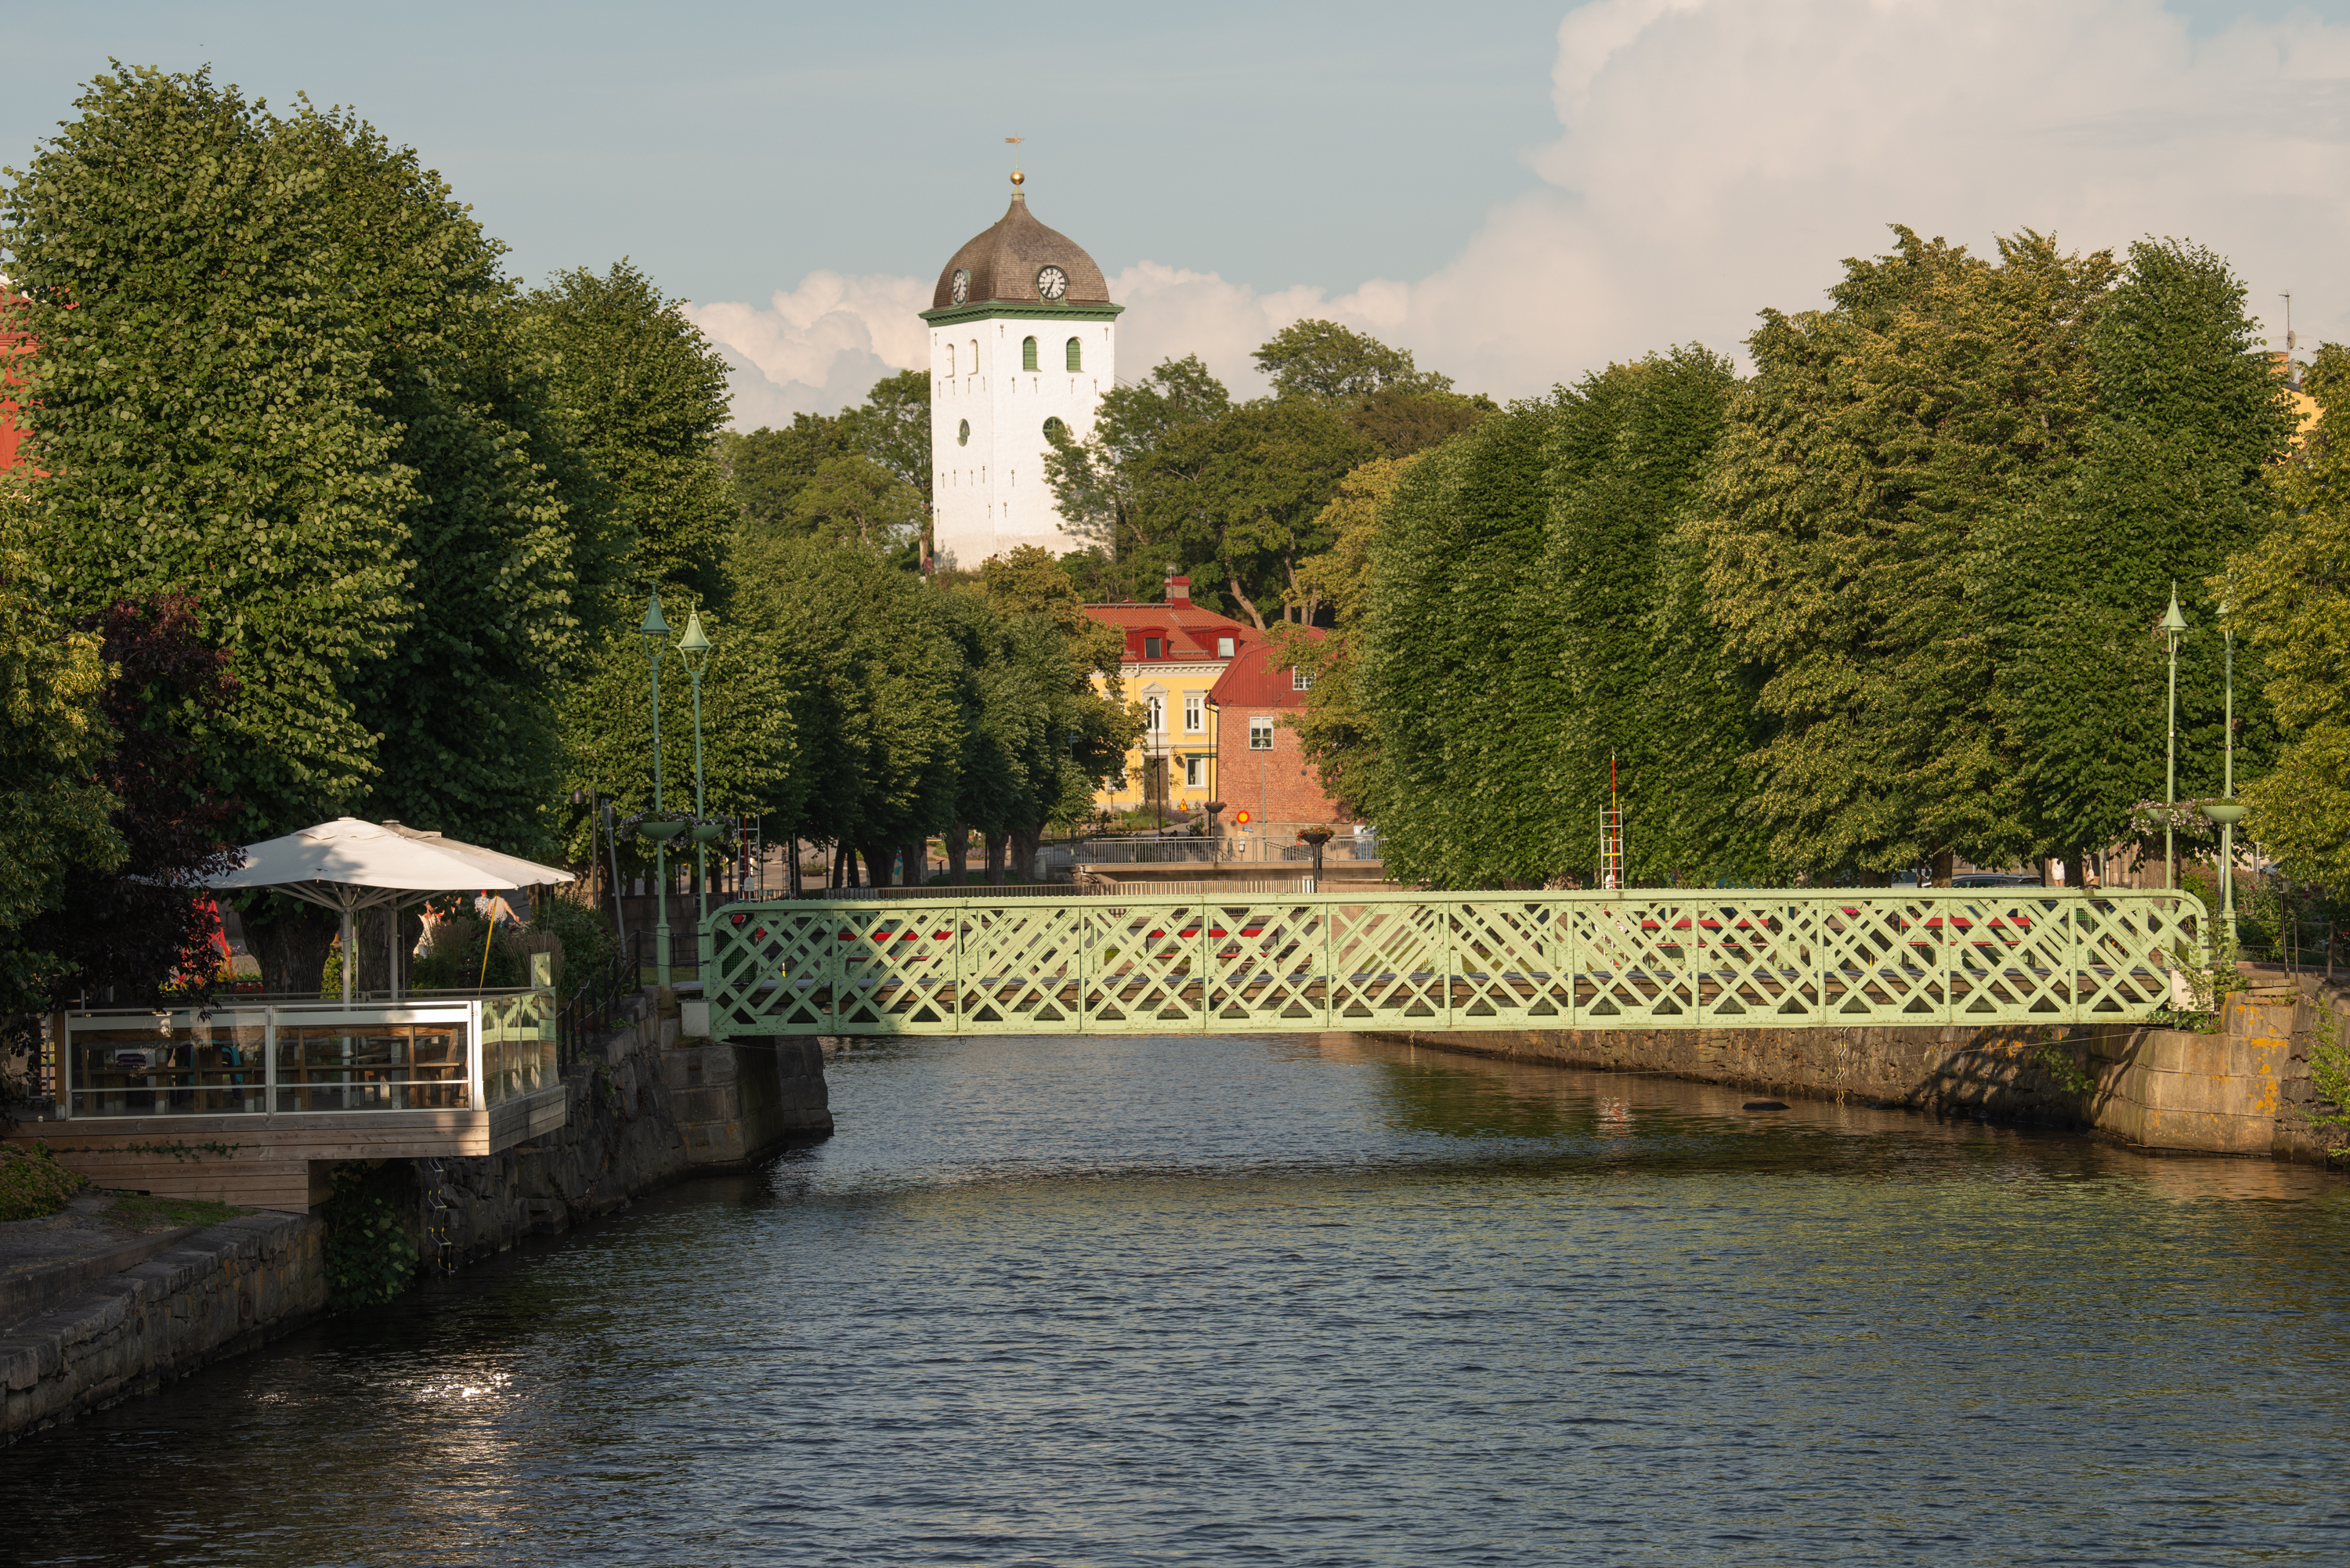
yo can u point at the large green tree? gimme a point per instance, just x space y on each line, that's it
893 428
209 402
1093 479
877 719
1329 363
1866 473
2172 476
646 395
1460 799
1239 499
2292 612
1633 684
53 741
768 468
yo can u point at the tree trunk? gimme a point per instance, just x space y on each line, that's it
792 867
1945 860
957 852
917 863
877 857
1023 854
375 942
1247 604
996 844
290 942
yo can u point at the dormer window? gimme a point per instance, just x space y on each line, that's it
1224 647
1150 646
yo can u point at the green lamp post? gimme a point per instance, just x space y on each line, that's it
655 631
2174 626
2225 811
695 646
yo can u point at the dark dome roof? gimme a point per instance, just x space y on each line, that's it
1004 260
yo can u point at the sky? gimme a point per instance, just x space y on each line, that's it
1520 193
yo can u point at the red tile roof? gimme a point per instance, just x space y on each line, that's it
1254 681
1190 632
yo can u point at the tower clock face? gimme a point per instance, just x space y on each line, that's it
960 289
1052 282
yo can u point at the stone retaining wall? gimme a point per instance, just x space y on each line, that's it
643 1110
218 1293
2243 1089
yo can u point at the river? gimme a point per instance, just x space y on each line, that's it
1101 1301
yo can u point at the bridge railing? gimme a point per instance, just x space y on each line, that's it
1646 959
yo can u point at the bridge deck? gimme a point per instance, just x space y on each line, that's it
1646 959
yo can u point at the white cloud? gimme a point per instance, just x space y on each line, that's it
817 347
1718 156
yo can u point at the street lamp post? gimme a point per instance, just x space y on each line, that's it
2225 811
655 631
2174 626
694 648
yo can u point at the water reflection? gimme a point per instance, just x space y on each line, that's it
1319 1300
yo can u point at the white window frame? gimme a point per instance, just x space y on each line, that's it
1195 773
1225 646
1299 680
1195 713
1260 733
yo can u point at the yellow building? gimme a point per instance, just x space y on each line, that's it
1175 653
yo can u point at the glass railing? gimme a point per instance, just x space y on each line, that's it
437 1055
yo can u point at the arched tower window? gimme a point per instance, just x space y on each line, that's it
1027 353
951 369
974 358
1077 354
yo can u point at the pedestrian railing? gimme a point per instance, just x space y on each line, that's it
1151 964
425 1053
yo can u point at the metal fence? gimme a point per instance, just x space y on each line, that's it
1145 963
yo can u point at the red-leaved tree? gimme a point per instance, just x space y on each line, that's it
147 927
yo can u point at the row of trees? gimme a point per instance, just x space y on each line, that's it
323 511
1887 601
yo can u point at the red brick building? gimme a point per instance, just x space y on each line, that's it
1260 768
13 343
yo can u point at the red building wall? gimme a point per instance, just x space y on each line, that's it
1278 786
12 344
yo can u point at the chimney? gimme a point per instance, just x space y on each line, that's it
1178 590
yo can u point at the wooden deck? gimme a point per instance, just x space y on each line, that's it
278 1161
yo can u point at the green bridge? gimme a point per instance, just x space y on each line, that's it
1643 959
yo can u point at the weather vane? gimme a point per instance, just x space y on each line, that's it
1016 175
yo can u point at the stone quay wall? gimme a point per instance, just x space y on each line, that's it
2243 1089
645 1109
218 1293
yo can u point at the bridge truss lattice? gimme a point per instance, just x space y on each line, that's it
1649 959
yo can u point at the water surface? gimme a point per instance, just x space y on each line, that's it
1102 1300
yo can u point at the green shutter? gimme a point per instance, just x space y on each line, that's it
1027 353
1077 354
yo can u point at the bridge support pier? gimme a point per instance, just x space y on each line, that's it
737 1100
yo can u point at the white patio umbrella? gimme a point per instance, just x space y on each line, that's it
349 865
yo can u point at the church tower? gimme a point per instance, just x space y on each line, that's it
1024 339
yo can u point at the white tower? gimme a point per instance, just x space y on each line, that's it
1023 335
